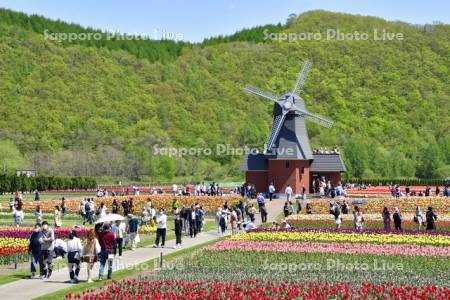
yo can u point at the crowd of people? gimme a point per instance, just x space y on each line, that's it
427 220
396 191
325 151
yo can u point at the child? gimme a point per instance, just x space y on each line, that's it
178 230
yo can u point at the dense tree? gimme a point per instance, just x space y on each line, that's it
98 108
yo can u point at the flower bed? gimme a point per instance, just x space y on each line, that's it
441 205
14 242
345 237
368 224
345 248
209 203
256 289
13 250
25 232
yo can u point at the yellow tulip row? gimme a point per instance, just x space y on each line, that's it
314 236
441 205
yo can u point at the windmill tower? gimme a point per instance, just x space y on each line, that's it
288 157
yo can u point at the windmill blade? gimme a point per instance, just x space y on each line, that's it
319 120
302 77
276 127
258 92
315 118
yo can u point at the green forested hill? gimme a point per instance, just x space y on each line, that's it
82 109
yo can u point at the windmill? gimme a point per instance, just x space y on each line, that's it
289 128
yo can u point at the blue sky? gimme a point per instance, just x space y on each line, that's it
197 19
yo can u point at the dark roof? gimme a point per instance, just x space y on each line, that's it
292 142
327 163
254 162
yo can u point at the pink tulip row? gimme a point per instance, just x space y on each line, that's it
344 248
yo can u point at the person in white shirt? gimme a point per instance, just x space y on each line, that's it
288 193
103 210
271 191
74 249
18 215
161 227
60 248
249 226
119 230
174 189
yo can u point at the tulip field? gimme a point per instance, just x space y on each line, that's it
14 242
209 203
299 264
441 205
256 289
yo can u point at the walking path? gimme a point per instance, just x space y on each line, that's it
32 288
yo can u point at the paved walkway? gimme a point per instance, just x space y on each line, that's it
32 288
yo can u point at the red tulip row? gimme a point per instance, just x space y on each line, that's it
255 289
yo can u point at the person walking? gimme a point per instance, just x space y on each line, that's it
178 230
199 218
261 201
115 207
271 191
34 248
418 218
336 211
38 214
397 219
74 249
57 217
233 221
217 217
223 223
46 239
288 191
102 210
119 230
132 231
161 227
192 222
90 251
386 219
263 214
18 215
431 218
358 219
107 242
37 195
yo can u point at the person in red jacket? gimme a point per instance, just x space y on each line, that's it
107 241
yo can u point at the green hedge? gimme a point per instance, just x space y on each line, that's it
405 182
12 183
